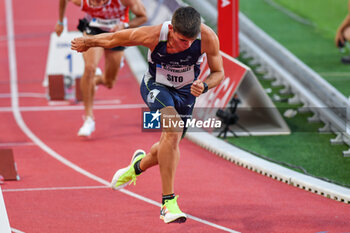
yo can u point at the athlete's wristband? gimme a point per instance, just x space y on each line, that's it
60 23
126 25
205 88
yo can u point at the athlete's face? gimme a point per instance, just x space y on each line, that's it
97 3
181 42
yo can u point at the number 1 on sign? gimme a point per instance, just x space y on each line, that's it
70 62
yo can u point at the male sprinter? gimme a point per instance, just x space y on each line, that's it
170 85
101 16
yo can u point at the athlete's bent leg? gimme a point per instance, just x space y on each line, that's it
168 158
91 59
151 159
87 86
168 149
166 152
112 66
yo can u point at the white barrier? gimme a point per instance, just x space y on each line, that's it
4 222
257 113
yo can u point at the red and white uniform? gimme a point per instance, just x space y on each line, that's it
113 9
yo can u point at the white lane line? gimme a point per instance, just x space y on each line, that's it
16 231
24 94
123 191
4 221
72 108
58 102
12 144
55 188
42 145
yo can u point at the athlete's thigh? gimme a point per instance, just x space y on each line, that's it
156 96
92 57
112 64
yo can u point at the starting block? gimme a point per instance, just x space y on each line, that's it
63 66
58 89
8 167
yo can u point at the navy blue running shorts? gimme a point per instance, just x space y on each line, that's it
158 96
83 26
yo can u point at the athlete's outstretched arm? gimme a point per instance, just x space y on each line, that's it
210 46
146 36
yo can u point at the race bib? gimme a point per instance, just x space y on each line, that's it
104 24
174 77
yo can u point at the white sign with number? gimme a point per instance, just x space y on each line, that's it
61 60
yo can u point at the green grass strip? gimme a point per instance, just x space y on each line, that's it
313 45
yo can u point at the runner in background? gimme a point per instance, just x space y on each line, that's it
101 16
342 37
169 88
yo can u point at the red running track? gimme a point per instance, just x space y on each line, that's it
53 197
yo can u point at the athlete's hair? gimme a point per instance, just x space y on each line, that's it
186 21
